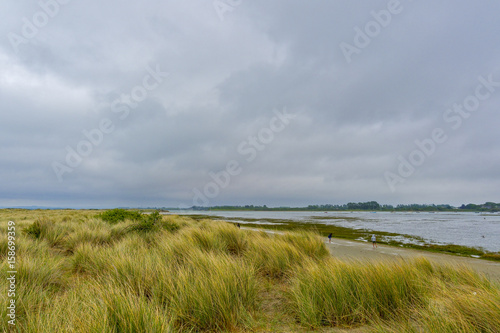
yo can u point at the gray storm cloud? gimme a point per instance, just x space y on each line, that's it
84 120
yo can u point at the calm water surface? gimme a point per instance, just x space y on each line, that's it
468 229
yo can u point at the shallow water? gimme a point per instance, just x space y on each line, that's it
467 229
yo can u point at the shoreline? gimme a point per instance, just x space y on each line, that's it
387 237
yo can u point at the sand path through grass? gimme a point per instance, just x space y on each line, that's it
362 250
356 250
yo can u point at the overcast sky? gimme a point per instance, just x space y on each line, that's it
175 103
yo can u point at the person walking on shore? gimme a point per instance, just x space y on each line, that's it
374 241
330 238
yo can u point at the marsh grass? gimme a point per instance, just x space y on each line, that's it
491 256
78 273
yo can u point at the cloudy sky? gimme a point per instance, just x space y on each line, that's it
175 103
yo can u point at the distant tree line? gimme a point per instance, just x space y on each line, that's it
365 206
486 207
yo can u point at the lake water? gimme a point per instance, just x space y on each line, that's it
468 229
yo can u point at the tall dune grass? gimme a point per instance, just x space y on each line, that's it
451 309
210 291
218 237
344 294
277 256
468 310
78 273
439 299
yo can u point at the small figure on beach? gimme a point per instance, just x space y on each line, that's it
374 241
239 227
330 238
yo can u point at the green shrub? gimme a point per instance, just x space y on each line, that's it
150 223
147 223
118 215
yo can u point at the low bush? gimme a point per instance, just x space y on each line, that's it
118 215
151 223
